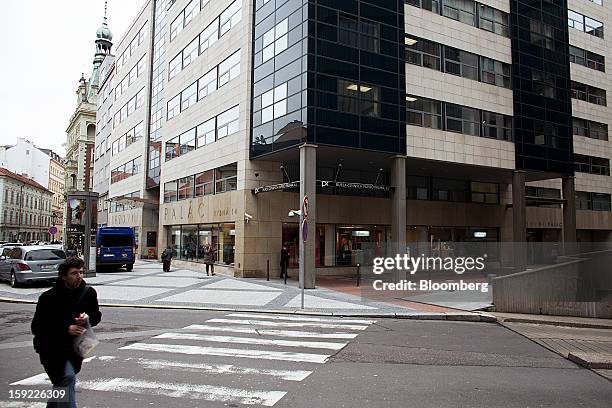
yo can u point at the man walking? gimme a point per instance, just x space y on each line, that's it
166 257
60 317
284 262
209 259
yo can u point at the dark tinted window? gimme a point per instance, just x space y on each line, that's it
116 240
45 255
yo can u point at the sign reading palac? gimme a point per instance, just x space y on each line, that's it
194 211
322 183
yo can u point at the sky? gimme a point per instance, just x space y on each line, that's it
46 45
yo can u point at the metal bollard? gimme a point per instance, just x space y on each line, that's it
358 275
268 269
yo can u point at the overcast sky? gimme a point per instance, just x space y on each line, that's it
46 46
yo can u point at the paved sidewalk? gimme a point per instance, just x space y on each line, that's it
148 286
587 342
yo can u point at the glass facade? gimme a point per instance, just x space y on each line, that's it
331 73
541 86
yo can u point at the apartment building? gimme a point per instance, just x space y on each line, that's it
25 208
415 125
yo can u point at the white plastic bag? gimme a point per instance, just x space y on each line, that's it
85 343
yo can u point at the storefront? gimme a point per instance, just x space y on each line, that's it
188 242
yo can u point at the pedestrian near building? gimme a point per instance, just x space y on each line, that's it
284 262
61 315
166 257
209 259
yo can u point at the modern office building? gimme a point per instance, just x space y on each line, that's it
419 124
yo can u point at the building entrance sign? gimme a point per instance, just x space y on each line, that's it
321 183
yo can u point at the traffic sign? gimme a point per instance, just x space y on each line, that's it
53 230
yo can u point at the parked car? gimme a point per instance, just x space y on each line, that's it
116 247
28 264
11 244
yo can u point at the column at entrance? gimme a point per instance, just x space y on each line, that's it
569 214
308 187
519 220
398 209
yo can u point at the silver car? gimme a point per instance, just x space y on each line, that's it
28 264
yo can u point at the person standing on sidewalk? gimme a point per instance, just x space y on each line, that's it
166 257
60 317
209 259
284 262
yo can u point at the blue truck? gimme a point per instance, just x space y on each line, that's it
116 247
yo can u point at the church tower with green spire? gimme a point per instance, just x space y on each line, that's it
104 44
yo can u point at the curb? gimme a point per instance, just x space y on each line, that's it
451 316
555 323
591 360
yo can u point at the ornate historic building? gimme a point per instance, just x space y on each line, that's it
81 129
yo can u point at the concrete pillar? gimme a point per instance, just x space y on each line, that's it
398 208
569 215
308 187
519 220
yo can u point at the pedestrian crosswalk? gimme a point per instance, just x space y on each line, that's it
239 359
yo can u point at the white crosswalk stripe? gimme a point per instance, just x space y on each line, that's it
248 340
290 324
271 332
299 318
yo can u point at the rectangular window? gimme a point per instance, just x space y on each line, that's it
495 72
191 11
140 98
174 107
360 99
170 191
589 128
190 52
275 40
176 26
424 112
593 27
207 84
274 103
204 183
496 126
543 83
588 93
423 52
577 55
356 33
431 5
229 69
226 178
185 188
462 119
460 63
173 148
460 10
230 17
188 141
228 122
189 96
206 132
209 36
486 193
450 190
493 20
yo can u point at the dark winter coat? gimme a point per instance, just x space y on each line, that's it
55 312
284 258
208 256
167 255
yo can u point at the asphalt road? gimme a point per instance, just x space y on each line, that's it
221 359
